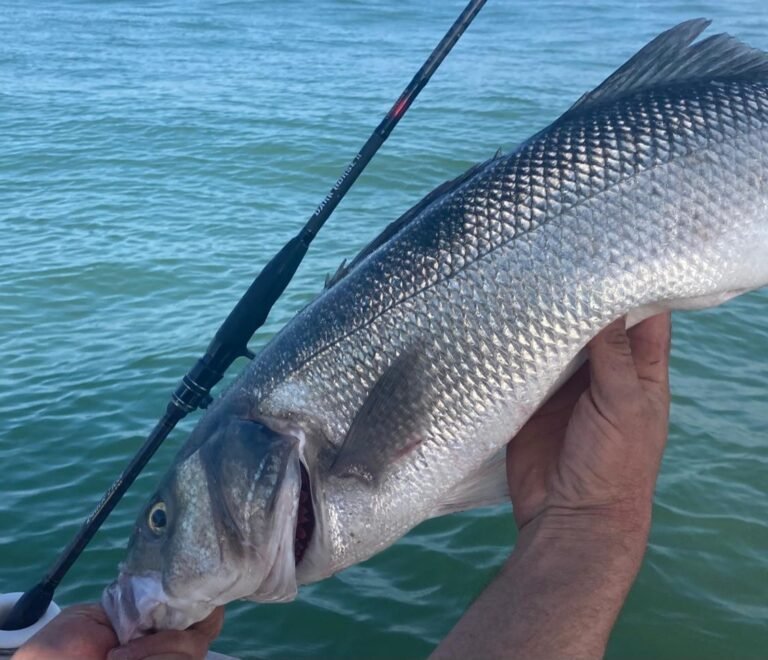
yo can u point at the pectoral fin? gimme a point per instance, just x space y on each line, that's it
389 424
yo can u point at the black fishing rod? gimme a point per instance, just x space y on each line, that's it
231 339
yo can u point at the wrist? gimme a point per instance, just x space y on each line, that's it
617 521
610 539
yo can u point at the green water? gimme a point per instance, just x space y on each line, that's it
153 155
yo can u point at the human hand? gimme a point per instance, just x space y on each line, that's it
189 644
83 632
581 476
593 451
80 631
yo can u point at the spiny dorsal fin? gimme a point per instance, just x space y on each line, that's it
394 227
673 58
341 271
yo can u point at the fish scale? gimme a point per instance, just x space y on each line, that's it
475 234
400 385
551 297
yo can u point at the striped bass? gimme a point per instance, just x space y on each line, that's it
390 398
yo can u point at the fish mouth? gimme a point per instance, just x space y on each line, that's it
138 604
305 518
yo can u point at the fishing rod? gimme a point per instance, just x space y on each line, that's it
231 339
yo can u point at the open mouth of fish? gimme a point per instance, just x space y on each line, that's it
305 518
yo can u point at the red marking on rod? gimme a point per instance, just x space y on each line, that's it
399 108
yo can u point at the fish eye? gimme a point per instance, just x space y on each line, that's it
157 520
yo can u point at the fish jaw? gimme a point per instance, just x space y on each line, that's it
138 604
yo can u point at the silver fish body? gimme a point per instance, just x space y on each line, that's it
401 384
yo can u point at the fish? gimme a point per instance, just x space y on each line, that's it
390 398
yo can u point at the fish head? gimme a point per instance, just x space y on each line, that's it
221 526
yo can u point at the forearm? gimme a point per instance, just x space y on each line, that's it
557 596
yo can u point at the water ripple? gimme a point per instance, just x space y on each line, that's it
156 154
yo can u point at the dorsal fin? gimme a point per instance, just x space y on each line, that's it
394 227
340 272
673 58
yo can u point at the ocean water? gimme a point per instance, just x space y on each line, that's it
153 155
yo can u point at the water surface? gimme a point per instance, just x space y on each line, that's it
156 154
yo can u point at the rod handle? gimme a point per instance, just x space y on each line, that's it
30 608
